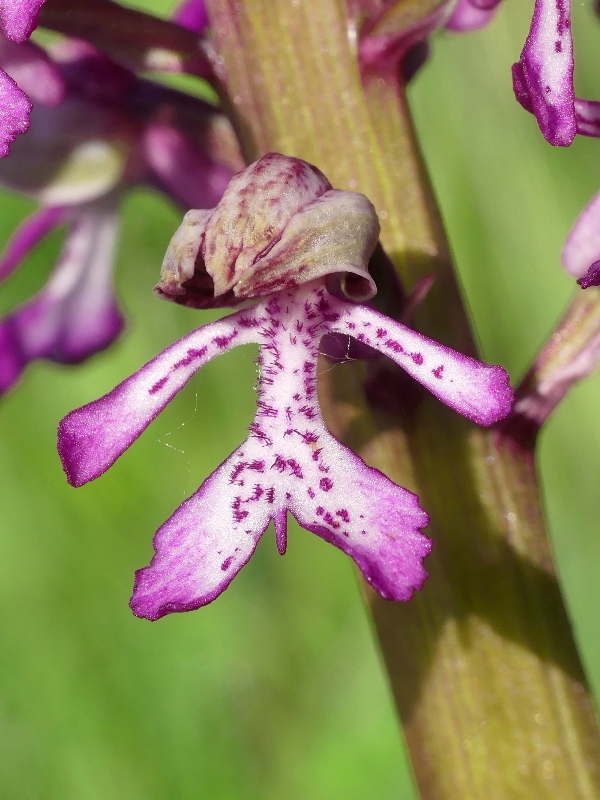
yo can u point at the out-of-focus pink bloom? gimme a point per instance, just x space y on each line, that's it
280 228
581 253
95 130
18 18
392 38
543 77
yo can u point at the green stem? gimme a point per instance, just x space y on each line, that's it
482 662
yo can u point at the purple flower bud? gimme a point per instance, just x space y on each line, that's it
581 251
277 226
543 78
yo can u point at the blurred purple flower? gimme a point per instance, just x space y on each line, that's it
543 77
470 15
279 228
192 14
581 252
96 130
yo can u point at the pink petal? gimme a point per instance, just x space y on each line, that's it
75 314
33 70
276 226
253 212
470 15
187 172
214 533
477 391
383 47
28 235
91 438
201 548
14 112
18 18
365 514
582 247
545 71
587 114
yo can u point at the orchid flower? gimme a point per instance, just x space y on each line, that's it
96 130
280 235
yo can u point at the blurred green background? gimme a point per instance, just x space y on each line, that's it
276 689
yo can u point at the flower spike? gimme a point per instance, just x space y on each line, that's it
289 461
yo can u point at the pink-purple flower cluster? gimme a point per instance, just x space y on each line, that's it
281 236
96 130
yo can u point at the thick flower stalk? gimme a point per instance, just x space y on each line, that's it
281 231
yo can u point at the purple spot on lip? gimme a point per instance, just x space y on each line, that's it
395 346
417 358
437 372
227 563
158 385
326 484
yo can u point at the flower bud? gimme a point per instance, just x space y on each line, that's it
278 225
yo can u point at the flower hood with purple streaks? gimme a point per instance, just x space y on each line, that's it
290 461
